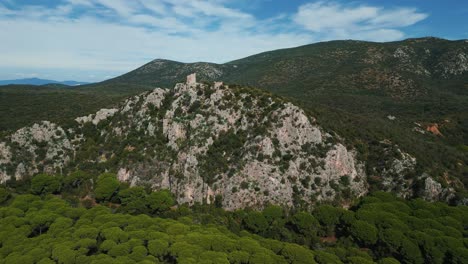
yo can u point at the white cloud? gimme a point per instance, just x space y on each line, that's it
155 6
334 20
110 37
122 7
402 17
87 3
90 45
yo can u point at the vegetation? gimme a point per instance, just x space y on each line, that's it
350 86
136 225
83 217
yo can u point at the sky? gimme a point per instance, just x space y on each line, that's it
93 40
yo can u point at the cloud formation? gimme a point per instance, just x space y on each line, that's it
110 37
332 20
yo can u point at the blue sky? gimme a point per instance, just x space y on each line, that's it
92 40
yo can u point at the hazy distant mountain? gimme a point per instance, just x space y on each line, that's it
37 81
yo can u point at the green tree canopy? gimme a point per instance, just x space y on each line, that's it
44 184
106 187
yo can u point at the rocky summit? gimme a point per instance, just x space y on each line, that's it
205 142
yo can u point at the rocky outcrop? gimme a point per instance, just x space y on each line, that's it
453 63
205 142
98 117
249 149
201 141
43 147
433 191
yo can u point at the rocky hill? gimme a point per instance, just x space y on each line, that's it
205 142
411 93
405 101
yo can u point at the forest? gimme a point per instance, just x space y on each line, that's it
85 218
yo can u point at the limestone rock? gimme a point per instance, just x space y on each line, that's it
100 115
201 141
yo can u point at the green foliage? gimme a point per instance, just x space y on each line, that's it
161 201
229 144
326 258
297 254
305 223
4 195
256 222
78 180
363 232
43 184
106 187
379 228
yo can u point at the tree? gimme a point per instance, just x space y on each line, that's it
64 255
238 257
43 184
359 260
305 223
410 252
255 222
115 234
41 220
297 254
273 213
4 195
119 250
160 201
388 261
328 216
459 255
106 187
364 233
212 257
326 258
138 253
158 248
78 180
134 200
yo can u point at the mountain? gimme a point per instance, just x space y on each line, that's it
403 106
412 93
198 141
397 69
247 147
37 81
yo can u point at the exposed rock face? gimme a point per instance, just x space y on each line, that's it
396 172
454 63
203 142
5 153
434 129
41 147
433 191
5 158
98 117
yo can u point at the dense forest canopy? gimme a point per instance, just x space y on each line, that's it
83 218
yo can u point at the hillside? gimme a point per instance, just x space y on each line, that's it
200 142
22 105
411 94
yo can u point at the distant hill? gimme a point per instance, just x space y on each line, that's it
37 81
